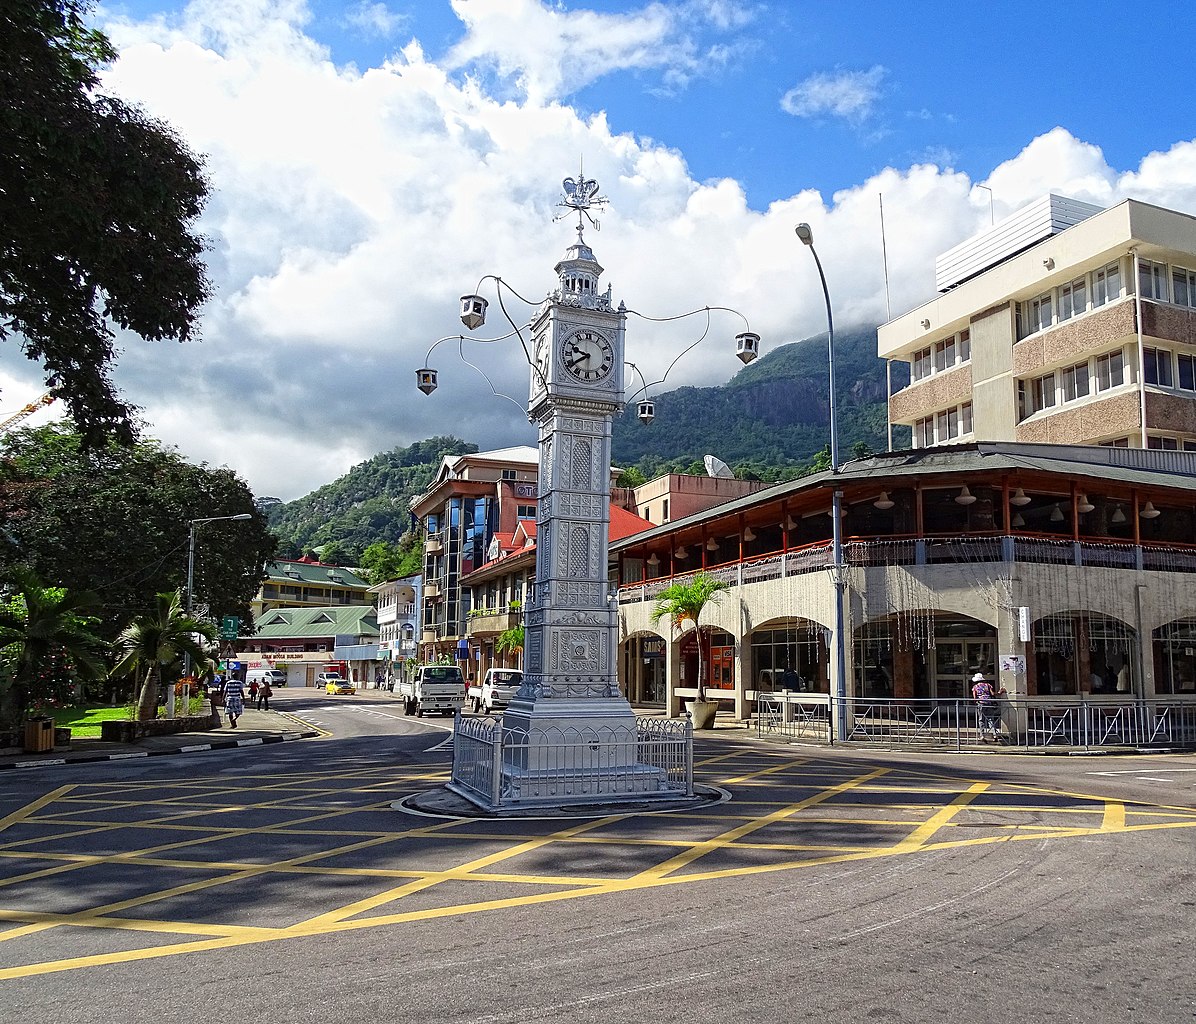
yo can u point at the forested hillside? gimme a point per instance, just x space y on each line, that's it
773 414
367 504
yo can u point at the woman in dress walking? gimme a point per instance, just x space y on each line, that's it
234 700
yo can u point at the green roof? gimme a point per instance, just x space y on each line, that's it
345 620
313 572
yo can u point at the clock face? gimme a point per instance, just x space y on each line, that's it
588 356
541 376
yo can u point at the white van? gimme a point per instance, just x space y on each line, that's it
266 675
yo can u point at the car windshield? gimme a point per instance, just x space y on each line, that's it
507 677
443 675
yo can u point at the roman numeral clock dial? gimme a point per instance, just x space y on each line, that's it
588 356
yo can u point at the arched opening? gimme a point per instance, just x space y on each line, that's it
789 654
644 665
1081 653
923 654
718 653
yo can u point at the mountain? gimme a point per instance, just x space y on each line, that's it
368 503
770 420
773 413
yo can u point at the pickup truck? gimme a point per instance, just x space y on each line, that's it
496 689
433 688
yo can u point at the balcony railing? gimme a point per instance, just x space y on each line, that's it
933 551
492 622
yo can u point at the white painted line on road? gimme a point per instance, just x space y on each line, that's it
1135 771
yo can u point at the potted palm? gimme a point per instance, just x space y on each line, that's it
684 600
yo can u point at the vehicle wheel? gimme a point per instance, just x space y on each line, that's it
419 712
406 707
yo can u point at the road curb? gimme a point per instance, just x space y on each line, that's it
191 748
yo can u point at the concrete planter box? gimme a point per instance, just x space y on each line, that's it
127 731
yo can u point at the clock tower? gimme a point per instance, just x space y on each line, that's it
569 733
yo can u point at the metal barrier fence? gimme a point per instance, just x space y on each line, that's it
957 724
501 767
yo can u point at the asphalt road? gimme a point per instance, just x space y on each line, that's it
278 884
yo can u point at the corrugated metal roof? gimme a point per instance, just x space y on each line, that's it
331 621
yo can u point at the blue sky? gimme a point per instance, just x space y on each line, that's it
371 160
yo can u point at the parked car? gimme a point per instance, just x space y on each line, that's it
497 689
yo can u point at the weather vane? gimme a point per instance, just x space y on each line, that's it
581 195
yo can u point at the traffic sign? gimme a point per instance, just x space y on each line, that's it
230 626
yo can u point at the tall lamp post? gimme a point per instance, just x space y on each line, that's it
195 524
838 576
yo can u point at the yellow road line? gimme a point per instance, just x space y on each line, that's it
34 806
922 834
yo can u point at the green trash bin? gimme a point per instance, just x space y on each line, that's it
39 735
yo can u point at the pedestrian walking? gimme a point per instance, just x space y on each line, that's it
253 688
263 697
988 700
234 700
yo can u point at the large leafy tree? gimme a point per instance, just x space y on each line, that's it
47 638
115 520
98 203
686 599
157 642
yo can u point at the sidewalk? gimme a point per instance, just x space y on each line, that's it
254 728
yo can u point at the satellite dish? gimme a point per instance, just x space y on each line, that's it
716 467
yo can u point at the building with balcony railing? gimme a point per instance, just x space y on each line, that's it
302 583
398 602
1066 573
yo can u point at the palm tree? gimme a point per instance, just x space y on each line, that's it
685 599
44 632
157 640
510 641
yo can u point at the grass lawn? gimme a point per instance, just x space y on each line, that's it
84 720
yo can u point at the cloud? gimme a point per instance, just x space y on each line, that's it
850 95
547 52
375 19
351 209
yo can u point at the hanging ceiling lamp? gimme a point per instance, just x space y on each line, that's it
1018 521
789 523
711 544
1085 505
681 553
1056 514
749 534
884 502
654 560
965 497
1118 516
1019 498
1149 511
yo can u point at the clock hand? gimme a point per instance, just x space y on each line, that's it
583 358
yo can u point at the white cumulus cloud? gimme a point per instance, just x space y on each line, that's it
840 93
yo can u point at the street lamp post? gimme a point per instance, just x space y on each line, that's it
194 524
838 574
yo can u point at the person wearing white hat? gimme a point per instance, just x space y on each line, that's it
987 700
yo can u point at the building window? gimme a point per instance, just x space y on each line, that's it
1157 365
966 414
1187 373
1033 315
1042 390
944 355
1117 442
664 511
1167 444
920 368
1073 299
947 425
1110 371
1106 285
924 432
508 474
525 511
965 345
1075 382
1152 280
1183 287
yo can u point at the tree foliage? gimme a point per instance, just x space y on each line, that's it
684 600
97 207
156 643
115 520
47 638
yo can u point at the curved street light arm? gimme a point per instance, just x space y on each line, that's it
493 390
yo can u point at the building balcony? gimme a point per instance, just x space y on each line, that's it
491 623
431 590
432 546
